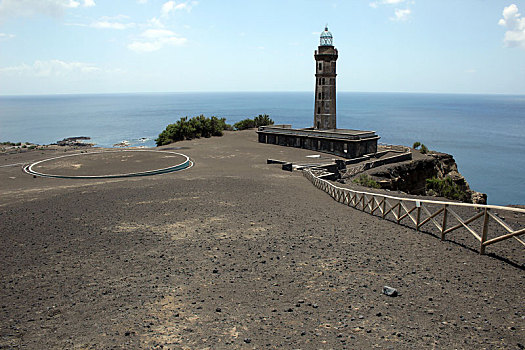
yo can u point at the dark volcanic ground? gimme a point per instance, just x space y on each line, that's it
234 253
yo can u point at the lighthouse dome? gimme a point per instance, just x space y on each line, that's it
326 38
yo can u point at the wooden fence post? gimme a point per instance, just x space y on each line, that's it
399 211
384 207
444 226
418 215
484 232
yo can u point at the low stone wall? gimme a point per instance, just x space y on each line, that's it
351 171
346 148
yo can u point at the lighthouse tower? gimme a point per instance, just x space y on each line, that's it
325 57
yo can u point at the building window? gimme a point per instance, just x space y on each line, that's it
320 65
323 95
318 110
319 95
322 81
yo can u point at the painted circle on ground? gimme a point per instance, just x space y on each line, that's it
110 164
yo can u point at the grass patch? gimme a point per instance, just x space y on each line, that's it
367 181
446 188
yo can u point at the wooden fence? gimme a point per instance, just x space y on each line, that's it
484 222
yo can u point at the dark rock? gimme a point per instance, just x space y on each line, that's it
411 176
391 292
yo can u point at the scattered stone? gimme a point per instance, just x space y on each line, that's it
391 292
218 309
247 340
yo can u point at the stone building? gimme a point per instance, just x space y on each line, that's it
324 136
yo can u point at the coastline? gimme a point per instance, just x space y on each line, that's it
485 140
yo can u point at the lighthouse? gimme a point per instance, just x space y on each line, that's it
325 73
324 136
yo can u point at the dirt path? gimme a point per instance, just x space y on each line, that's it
234 253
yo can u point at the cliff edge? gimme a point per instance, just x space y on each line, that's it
430 174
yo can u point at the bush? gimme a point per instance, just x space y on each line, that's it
423 150
195 127
446 188
260 120
365 180
244 124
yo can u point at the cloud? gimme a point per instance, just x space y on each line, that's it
5 36
515 24
27 8
171 6
157 33
142 1
155 39
375 4
111 25
155 22
51 68
401 15
114 22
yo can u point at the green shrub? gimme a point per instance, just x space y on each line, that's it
244 124
196 127
260 120
424 149
446 188
365 180
416 145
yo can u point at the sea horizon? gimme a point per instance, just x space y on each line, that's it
484 132
254 91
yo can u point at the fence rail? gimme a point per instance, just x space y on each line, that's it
482 223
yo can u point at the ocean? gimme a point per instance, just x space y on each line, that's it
484 133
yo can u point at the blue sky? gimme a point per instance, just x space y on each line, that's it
105 46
